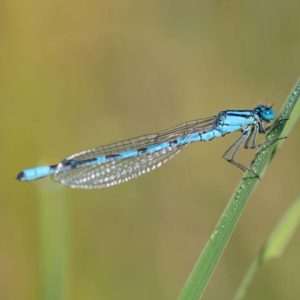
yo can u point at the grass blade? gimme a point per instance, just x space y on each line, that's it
54 230
274 246
204 267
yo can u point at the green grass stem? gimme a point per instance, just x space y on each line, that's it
54 237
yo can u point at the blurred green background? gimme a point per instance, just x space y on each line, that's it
84 73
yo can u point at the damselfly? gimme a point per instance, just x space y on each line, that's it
119 162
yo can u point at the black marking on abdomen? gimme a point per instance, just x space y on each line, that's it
75 163
69 163
142 150
173 143
200 135
20 176
112 155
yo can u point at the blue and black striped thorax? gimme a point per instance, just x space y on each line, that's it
234 120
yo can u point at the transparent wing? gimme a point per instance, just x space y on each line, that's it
114 171
147 140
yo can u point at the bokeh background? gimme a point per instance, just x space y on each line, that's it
77 74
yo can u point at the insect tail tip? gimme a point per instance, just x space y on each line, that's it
20 176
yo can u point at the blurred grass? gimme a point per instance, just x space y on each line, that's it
55 240
273 247
215 246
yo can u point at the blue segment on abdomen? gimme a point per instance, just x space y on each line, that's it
101 159
122 155
36 173
209 135
188 139
199 136
157 147
129 153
